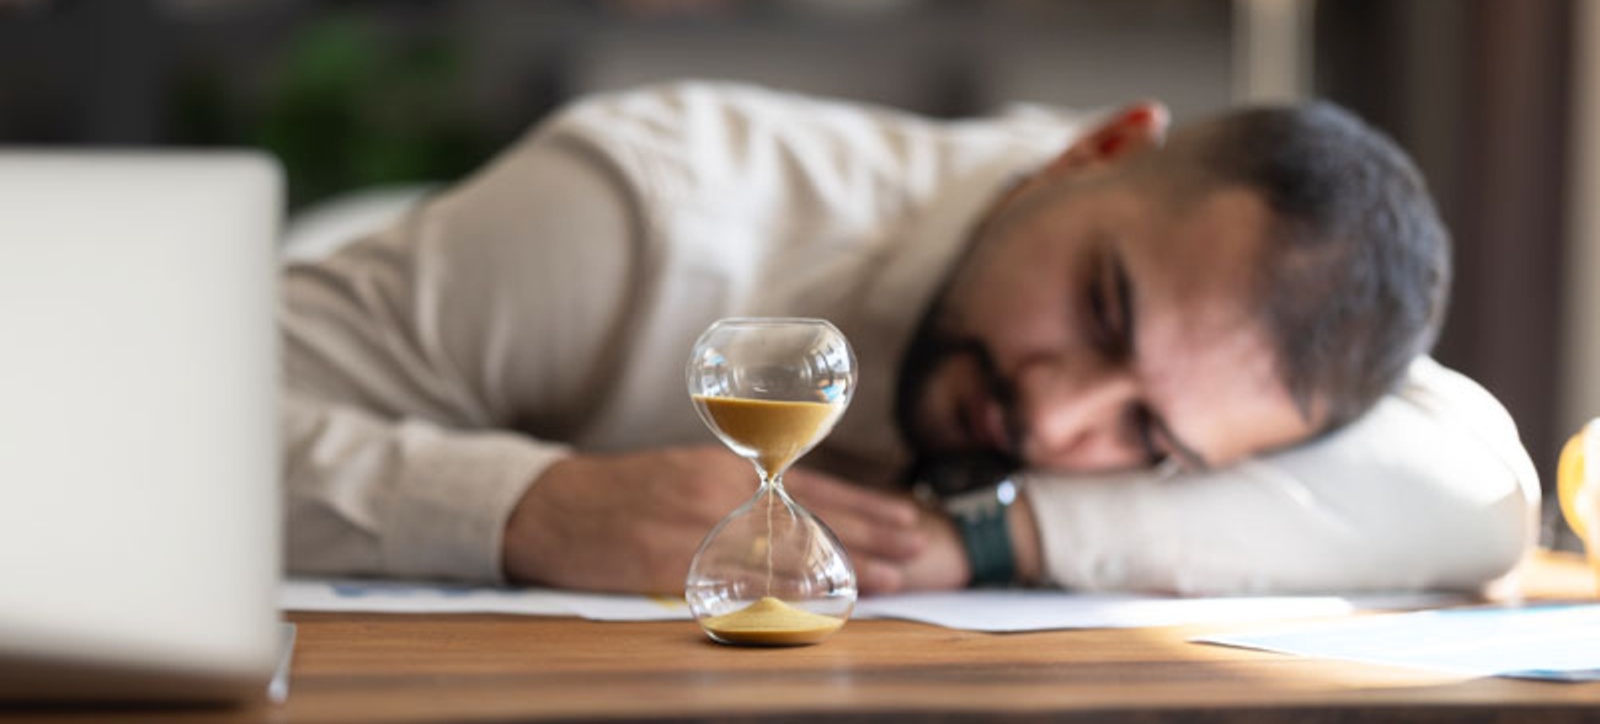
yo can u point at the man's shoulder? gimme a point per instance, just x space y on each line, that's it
713 142
700 113
691 96
732 130
700 101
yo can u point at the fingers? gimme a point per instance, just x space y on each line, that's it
865 538
894 544
941 565
869 523
875 577
816 490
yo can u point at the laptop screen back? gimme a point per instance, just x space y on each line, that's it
139 513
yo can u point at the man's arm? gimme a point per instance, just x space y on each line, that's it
633 522
410 354
1431 489
413 358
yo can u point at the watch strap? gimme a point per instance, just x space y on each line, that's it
981 518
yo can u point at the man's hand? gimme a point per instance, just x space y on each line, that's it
631 523
943 563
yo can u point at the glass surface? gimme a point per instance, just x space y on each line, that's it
771 573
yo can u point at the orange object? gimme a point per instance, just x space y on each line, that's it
1578 488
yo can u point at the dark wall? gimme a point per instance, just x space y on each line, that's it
1478 92
353 93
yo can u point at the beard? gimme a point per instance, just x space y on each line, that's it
934 345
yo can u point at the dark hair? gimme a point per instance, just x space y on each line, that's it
1356 272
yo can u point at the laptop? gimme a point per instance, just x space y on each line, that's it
139 507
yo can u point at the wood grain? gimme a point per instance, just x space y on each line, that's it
417 668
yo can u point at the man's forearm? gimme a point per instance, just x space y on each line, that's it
374 496
1430 489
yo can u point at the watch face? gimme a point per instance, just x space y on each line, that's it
948 475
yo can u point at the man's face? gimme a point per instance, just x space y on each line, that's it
1090 327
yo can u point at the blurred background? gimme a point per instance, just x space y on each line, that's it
1498 101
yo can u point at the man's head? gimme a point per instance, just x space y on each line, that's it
1261 278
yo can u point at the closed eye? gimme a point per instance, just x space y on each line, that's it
1101 333
1142 420
1123 292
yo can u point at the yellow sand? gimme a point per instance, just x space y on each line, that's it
778 430
771 622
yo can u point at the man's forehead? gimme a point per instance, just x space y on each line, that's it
1207 247
1206 358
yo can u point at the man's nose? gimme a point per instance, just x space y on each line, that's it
1073 414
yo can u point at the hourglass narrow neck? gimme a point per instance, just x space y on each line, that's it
770 481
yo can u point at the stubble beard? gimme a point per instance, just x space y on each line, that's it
934 344
939 340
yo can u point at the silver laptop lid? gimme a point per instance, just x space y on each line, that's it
139 513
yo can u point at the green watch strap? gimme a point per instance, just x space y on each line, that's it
986 532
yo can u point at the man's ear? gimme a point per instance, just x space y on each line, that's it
1135 128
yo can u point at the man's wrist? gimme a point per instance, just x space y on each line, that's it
1025 547
524 537
982 518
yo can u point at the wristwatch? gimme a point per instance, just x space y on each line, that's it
980 516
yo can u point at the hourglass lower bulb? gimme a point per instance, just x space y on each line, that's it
771 573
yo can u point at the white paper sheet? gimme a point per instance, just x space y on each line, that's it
382 596
1543 642
1035 610
982 610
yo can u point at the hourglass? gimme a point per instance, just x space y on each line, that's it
771 573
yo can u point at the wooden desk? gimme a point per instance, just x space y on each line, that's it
402 668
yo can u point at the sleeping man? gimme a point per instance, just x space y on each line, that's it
1190 362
